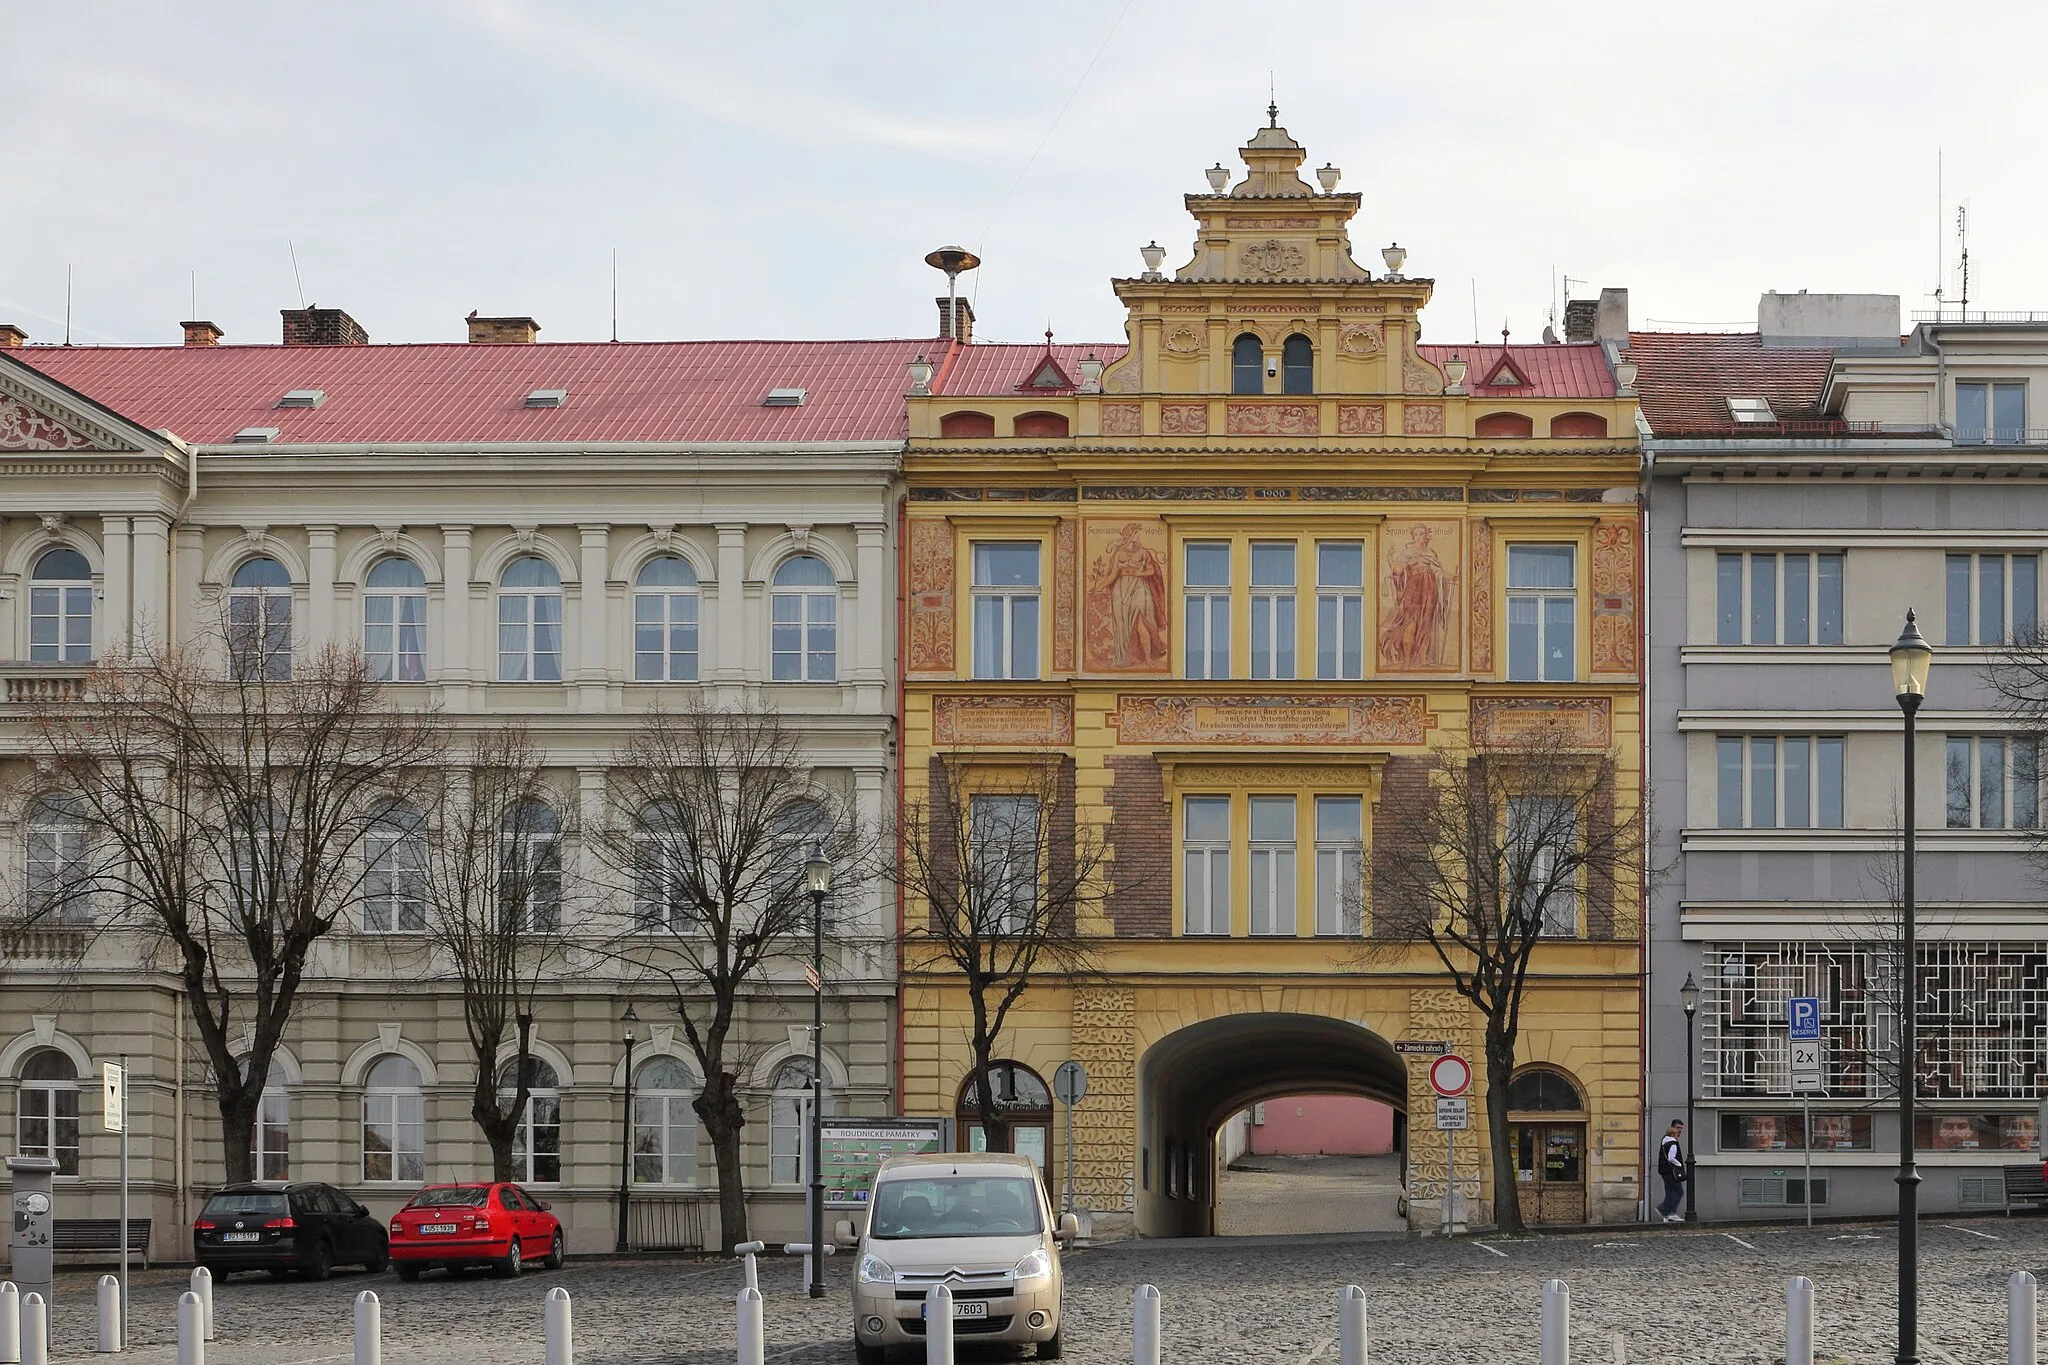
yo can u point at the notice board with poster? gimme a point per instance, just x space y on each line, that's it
854 1149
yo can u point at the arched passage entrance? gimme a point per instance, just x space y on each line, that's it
1190 1081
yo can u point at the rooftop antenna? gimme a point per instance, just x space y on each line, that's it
195 294
67 304
1940 237
615 293
953 260
1963 240
1475 310
295 271
1272 102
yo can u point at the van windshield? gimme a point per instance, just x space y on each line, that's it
956 1206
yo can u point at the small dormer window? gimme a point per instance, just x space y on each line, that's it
1751 410
547 398
303 398
254 436
783 398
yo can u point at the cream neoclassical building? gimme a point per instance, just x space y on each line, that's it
492 520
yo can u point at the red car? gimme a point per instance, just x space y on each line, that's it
495 1225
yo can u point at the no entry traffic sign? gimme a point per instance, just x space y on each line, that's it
1450 1075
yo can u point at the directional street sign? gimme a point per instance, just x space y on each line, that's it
1802 1016
1450 1075
114 1097
1421 1048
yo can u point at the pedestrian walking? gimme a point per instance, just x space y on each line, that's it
1671 1170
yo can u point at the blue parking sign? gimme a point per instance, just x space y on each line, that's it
1802 1016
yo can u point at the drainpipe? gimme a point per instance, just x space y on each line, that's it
902 635
1643 816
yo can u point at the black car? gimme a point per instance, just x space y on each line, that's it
310 1228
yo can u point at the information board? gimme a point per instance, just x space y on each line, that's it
855 1148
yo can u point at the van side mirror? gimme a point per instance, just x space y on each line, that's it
843 1233
1070 1229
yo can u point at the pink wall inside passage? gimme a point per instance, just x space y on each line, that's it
1325 1125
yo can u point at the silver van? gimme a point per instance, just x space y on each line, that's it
977 1223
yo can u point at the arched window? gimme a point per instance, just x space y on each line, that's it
1023 1102
272 1139
664 1124
260 622
1581 424
665 621
804 622
1513 425
963 425
394 1122
529 621
789 1122
530 866
60 608
47 1102
54 842
395 621
1041 424
1248 365
395 879
1298 365
537 1144
1538 1090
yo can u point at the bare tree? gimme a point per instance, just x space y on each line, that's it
999 876
1502 851
228 818
710 816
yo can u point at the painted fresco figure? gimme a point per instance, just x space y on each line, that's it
1135 582
1415 630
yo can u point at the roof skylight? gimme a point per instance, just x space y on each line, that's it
303 398
254 436
784 398
547 398
1751 410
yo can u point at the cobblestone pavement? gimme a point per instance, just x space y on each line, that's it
1280 1194
1672 1295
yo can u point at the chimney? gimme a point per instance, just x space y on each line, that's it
1578 318
11 336
965 312
518 331
201 333
1610 319
318 326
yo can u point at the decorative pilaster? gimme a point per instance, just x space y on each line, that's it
729 661
1106 1123
149 600
319 586
113 630
1446 1016
453 646
592 671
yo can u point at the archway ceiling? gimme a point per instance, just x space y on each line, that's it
1206 1072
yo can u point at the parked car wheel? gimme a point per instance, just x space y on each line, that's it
409 1271
556 1254
378 1263
1053 1348
509 1268
864 1354
319 1263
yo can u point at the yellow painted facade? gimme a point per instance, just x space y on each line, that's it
1239 580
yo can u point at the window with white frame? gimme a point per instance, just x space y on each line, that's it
537 1142
1778 781
1207 598
1272 864
661 884
665 610
803 622
1340 860
1778 599
395 872
1543 608
46 1106
1273 609
260 622
1993 599
530 866
1006 610
55 843
1540 841
1003 840
664 1124
60 608
1994 782
529 621
1340 609
799 827
394 1122
1991 413
789 1121
395 621
272 1139
1205 865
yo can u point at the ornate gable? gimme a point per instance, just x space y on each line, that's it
37 414
1505 374
23 427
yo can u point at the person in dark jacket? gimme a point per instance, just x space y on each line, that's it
1671 1170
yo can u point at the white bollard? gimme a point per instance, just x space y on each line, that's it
2020 1323
748 1250
561 1332
369 1329
1145 1325
1557 1323
10 1323
753 1335
938 1326
1351 1325
191 1330
202 1285
1799 1321
35 1331
109 1342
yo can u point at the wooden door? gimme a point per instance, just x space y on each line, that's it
1550 1171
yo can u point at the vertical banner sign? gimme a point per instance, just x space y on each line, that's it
114 1097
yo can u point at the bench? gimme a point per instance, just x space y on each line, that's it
99 1235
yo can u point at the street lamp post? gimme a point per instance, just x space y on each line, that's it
1912 658
818 877
628 1019
1689 997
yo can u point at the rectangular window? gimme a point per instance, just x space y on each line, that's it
394 1136
1272 864
60 624
1003 843
1340 858
1208 610
1994 782
1991 414
49 1123
665 637
1778 599
1541 834
1778 781
1273 610
1006 611
1543 605
1993 599
1340 610
1205 864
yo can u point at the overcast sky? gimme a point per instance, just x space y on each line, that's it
780 169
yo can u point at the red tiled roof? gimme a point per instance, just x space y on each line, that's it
1573 370
989 368
618 391
1686 378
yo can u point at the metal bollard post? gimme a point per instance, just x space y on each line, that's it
2020 1322
748 1250
1799 1321
1557 1323
35 1331
191 1330
369 1329
561 1333
202 1285
938 1326
753 1336
10 1323
109 1342
1351 1325
1145 1325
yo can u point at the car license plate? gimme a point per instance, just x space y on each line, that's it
962 1308
241 1236
437 1227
